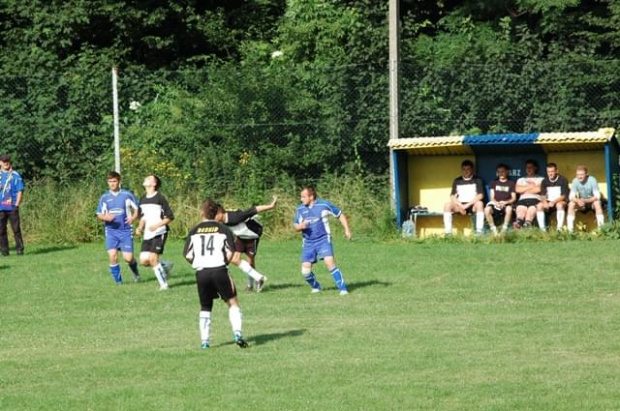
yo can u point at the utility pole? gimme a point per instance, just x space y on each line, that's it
394 40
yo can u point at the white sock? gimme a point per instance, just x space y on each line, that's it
447 222
234 316
600 219
540 217
160 274
560 217
204 323
479 221
570 223
250 271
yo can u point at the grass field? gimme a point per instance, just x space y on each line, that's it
442 326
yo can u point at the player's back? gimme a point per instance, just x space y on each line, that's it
208 245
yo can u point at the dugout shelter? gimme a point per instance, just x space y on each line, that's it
424 168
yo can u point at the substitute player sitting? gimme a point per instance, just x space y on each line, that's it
584 195
466 197
209 248
155 215
528 188
554 194
311 219
502 197
247 230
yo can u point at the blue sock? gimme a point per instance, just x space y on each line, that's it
115 270
337 276
311 279
134 267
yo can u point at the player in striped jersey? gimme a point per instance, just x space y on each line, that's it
118 209
155 215
209 248
247 230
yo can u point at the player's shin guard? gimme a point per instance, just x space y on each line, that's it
310 278
447 222
479 221
337 276
560 215
204 324
234 316
250 271
540 217
115 270
161 275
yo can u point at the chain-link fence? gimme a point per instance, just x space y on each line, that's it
232 127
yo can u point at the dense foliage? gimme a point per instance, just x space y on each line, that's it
243 95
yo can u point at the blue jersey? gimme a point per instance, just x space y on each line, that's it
11 184
317 216
120 205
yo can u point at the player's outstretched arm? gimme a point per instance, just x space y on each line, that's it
267 207
345 223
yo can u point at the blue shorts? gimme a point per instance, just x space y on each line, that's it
320 249
119 239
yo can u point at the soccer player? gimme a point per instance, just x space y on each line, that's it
247 230
554 194
503 195
11 197
311 219
528 188
155 215
466 197
209 248
118 209
584 195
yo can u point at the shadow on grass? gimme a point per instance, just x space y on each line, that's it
53 249
261 339
275 287
364 284
4 267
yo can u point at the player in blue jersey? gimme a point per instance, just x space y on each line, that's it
118 209
311 219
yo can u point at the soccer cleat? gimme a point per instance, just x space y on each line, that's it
316 290
136 278
260 284
344 292
205 345
238 339
163 287
248 289
516 225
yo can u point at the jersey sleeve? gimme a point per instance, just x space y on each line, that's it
188 249
19 183
453 192
131 201
298 218
543 188
595 188
229 242
101 207
564 190
238 216
333 209
166 210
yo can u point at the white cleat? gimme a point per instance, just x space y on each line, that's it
168 268
163 287
344 292
315 290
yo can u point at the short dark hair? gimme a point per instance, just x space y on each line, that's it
502 165
552 165
467 163
209 209
311 190
113 175
5 158
532 162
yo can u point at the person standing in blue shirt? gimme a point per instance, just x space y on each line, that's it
11 196
118 209
311 219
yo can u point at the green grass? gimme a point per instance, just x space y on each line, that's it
441 326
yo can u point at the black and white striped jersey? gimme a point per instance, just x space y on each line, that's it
208 245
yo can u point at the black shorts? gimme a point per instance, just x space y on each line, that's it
497 212
247 245
214 283
528 202
587 207
155 244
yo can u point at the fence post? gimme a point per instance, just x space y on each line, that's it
394 43
117 138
